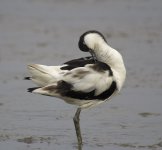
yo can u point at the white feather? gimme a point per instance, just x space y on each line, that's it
43 75
83 79
90 79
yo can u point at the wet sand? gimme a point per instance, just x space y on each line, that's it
47 32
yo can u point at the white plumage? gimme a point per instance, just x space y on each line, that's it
85 82
82 81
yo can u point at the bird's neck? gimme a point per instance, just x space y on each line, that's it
113 58
105 53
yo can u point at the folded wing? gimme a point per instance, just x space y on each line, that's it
91 81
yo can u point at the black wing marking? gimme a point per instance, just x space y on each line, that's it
81 62
83 95
32 89
75 63
101 67
27 78
79 59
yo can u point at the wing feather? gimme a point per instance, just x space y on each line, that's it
85 79
80 79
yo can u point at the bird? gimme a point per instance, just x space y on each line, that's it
84 82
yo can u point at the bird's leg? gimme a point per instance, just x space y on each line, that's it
77 127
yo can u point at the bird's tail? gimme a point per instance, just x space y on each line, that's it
41 74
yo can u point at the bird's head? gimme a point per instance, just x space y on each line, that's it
90 41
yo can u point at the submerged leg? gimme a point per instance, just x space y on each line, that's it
77 127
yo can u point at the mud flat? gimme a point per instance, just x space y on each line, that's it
47 32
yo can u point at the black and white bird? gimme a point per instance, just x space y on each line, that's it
85 82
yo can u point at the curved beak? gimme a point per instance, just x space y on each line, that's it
93 55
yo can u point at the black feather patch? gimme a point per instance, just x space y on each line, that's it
32 89
65 89
100 67
27 78
81 62
81 43
108 92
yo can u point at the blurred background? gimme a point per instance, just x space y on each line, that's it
47 32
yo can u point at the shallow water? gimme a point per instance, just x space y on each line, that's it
47 32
